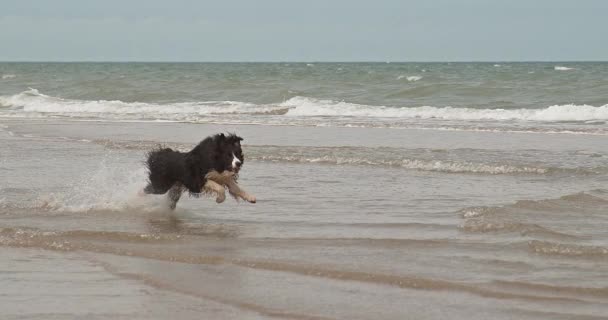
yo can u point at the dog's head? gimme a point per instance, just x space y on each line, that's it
229 152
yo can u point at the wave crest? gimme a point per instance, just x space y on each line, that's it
562 68
32 103
409 78
302 106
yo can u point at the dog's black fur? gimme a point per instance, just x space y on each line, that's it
174 171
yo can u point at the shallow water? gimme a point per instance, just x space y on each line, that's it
351 223
385 191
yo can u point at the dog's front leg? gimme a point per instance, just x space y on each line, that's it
214 187
237 192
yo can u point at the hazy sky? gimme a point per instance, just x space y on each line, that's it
305 30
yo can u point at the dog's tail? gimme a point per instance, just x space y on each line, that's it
157 157
161 165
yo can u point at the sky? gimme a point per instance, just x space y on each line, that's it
311 30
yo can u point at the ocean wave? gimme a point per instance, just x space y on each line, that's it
525 229
568 250
17 235
8 76
593 197
409 78
32 103
414 164
562 68
542 218
303 106
366 156
534 130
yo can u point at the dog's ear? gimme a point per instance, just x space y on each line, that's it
220 141
234 139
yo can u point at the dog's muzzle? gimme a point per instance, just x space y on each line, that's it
236 163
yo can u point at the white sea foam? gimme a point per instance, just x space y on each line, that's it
409 78
8 76
302 106
562 68
32 103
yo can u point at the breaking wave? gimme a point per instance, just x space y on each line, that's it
302 106
562 68
409 78
32 103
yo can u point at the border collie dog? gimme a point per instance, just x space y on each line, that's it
209 168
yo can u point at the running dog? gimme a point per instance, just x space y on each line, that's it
209 168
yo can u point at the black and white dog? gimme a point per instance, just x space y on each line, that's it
210 167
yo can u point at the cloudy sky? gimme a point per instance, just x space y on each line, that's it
311 30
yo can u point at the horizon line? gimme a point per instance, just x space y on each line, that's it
299 61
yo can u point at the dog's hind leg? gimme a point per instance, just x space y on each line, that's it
152 189
146 190
174 194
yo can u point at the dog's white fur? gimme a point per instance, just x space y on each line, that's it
235 161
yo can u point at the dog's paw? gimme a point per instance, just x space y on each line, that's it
220 198
251 199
